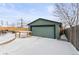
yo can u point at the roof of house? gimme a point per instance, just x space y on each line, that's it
44 19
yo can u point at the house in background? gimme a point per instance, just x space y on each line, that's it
45 28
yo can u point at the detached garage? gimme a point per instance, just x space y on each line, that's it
45 28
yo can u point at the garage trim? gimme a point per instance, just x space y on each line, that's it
44 26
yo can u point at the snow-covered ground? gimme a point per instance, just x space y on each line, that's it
38 46
6 37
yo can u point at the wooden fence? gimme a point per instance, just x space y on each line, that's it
75 36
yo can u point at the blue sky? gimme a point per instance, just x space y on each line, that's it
12 12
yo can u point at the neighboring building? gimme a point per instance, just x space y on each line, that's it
45 28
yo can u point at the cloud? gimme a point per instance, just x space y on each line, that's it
8 12
7 5
32 11
50 9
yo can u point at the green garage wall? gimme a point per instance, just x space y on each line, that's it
47 31
41 21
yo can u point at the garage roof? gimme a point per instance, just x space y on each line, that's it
44 19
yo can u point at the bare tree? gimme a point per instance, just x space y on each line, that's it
7 23
68 14
13 24
21 20
2 22
20 23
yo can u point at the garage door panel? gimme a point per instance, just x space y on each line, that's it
43 31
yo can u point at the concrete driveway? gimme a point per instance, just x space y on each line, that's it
38 46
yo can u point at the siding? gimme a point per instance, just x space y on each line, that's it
45 22
57 31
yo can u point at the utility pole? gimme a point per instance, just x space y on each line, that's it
21 22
